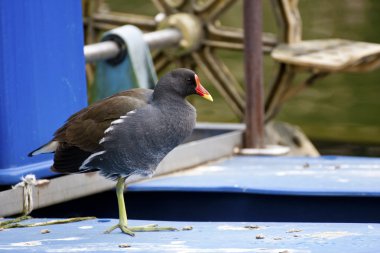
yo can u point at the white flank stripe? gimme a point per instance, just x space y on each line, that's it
115 122
118 121
108 129
90 158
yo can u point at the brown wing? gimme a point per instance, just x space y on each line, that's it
79 137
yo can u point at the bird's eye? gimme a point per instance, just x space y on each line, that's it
188 79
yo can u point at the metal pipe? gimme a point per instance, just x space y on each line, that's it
254 113
165 38
101 51
109 49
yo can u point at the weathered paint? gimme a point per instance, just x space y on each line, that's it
305 176
204 237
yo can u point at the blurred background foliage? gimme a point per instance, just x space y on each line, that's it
338 108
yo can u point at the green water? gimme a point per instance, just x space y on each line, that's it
341 107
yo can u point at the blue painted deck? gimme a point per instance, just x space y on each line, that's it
303 176
205 237
245 188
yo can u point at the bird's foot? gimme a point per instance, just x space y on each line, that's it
122 227
147 228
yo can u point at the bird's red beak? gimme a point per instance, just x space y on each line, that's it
201 91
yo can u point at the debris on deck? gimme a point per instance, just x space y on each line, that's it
204 237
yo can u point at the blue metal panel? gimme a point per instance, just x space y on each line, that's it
325 189
88 236
42 79
304 176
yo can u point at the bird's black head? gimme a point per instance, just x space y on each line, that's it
182 82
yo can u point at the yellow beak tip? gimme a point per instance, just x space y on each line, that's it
208 97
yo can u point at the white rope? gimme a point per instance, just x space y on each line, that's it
27 184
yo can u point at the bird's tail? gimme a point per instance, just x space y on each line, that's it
49 147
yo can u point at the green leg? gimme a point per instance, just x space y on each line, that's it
123 221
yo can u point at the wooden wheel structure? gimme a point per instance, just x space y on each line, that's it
202 35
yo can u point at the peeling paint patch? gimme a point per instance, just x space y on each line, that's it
39 242
64 239
246 227
294 230
331 235
228 227
27 244
243 227
252 227
201 170
295 173
85 227
178 242
88 247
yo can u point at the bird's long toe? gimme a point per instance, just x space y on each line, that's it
151 228
147 228
122 227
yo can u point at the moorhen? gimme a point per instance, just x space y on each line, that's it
128 134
